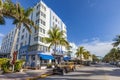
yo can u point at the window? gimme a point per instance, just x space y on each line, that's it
53 24
17 46
9 35
8 40
43 7
35 31
56 20
53 17
11 38
23 30
37 14
40 29
26 35
17 40
42 22
38 6
12 32
33 57
21 44
41 39
42 14
43 31
10 43
37 21
35 38
22 37
41 47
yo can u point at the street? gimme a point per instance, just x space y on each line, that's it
94 72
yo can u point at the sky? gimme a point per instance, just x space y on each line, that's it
90 23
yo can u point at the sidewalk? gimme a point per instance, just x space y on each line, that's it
25 75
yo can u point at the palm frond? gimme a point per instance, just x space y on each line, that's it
15 21
1 4
28 11
27 27
117 41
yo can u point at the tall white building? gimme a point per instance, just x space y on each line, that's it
73 49
7 42
31 44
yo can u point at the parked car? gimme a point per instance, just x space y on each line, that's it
94 62
112 63
64 68
118 64
87 63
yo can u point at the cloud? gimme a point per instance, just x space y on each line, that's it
85 40
1 35
98 47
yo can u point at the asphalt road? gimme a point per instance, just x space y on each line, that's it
94 72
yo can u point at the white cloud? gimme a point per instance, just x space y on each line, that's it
85 40
1 35
98 47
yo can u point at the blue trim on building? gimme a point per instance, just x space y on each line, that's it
23 50
67 58
45 56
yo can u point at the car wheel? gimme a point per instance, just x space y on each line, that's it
73 69
63 72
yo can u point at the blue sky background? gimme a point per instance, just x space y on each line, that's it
86 20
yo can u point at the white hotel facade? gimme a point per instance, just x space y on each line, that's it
31 44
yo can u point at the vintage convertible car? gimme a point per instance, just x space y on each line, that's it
64 68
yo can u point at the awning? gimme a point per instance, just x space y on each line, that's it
67 58
45 56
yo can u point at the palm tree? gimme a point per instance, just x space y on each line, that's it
117 41
20 16
80 52
2 21
86 54
113 55
56 38
7 10
94 58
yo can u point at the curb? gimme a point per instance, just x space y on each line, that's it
41 76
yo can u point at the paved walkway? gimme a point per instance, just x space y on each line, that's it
24 75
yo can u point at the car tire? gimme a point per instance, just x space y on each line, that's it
73 69
63 72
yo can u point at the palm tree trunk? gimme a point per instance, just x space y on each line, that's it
55 49
56 58
13 46
81 58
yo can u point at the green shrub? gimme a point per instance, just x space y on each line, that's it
5 67
19 65
3 60
4 64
